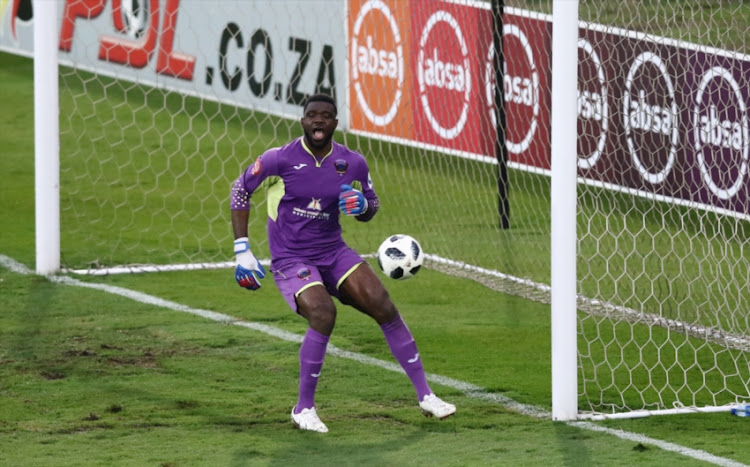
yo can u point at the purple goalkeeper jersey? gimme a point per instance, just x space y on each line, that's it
303 196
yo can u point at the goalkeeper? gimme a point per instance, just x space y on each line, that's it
312 181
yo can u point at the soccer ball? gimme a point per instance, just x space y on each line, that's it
400 257
135 17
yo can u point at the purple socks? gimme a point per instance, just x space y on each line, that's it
403 347
312 352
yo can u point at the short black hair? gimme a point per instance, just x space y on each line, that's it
320 98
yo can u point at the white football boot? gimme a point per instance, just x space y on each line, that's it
308 420
433 406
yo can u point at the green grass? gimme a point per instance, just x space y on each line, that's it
88 378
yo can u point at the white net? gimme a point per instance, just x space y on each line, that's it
663 248
662 204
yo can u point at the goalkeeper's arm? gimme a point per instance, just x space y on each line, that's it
240 219
248 271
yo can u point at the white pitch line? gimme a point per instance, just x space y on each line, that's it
468 389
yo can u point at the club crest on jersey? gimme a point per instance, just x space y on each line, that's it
256 168
341 166
303 273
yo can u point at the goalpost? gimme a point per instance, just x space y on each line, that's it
46 140
628 212
563 194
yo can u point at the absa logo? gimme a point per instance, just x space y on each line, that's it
444 75
377 63
720 132
650 117
593 110
520 87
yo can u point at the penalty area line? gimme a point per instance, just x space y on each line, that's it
468 389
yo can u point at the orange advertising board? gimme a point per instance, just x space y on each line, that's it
380 67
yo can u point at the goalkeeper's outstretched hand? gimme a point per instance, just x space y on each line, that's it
249 271
352 202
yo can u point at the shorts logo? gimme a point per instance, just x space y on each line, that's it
303 274
256 168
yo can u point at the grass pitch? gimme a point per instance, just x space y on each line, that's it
93 378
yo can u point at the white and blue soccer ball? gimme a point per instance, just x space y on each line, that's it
135 14
400 257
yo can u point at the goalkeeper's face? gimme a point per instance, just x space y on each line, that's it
318 124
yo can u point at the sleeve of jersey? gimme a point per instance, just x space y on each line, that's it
240 198
244 186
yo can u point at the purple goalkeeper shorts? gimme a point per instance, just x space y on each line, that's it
294 275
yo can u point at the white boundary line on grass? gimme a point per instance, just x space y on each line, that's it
468 389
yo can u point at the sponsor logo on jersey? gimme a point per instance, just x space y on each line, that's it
313 210
299 166
314 204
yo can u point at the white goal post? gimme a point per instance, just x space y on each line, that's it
46 139
618 191
564 247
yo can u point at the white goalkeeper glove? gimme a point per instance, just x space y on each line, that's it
249 271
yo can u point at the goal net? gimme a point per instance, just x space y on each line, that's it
164 102
663 205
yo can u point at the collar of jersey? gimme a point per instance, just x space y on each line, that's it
317 162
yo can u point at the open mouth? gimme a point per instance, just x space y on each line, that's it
318 134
